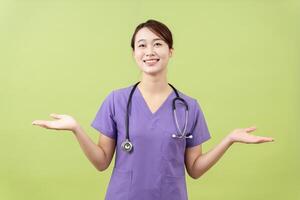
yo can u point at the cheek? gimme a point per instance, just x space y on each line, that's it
164 53
164 57
138 56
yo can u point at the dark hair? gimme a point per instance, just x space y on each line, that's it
157 28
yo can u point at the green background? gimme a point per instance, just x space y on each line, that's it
239 59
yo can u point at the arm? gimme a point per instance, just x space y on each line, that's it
99 155
197 163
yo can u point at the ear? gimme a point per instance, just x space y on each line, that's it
171 52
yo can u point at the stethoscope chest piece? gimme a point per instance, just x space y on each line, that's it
127 146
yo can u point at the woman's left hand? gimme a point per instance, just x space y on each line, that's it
243 135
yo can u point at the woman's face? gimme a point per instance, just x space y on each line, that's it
151 53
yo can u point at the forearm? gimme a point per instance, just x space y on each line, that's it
93 152
208 159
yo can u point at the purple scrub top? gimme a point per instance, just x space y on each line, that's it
155 169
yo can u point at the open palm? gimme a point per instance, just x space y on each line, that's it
62 122
243 135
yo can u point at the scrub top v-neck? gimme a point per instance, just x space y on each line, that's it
155 169
145 105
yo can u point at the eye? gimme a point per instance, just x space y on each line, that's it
157 44
141 45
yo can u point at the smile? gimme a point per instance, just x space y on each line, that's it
151 61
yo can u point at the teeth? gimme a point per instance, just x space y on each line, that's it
151 61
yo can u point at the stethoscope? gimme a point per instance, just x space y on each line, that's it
127 145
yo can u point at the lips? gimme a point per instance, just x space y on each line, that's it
152 61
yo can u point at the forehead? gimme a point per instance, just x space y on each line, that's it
145 34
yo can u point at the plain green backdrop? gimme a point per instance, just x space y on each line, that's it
239 59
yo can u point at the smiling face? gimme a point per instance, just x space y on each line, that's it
151 53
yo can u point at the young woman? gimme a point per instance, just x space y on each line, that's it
155 130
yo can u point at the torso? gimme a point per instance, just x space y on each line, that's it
154 102
155 169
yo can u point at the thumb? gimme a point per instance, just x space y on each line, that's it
55 116
250 129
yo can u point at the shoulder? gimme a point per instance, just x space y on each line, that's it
121 94
192 102
189 100
122 90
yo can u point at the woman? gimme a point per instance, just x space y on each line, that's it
153 144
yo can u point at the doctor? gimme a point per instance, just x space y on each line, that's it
153 144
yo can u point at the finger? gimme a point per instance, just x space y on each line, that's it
250 129
268 139
264 139
55 116
37 122
41 123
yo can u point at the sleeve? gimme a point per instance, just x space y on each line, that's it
104 120
199 129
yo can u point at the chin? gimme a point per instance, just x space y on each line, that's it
152 71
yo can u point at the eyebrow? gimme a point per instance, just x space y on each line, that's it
145 40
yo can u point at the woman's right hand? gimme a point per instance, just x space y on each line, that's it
62 122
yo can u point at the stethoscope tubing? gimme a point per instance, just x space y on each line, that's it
127 145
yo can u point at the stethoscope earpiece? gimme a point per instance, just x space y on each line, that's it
179 136
190 136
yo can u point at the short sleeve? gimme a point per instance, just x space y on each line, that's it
199 129
104 120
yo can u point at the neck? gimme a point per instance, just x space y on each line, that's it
156 84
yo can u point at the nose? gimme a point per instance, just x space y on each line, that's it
149 51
